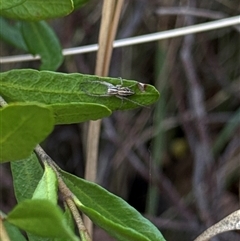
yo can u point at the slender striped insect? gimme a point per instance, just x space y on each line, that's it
118 91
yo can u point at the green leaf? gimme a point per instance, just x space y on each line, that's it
67 219
79 3
54 88
47 186
26 176
36 10
41 39
32 237
78 112
41 217
5 4
12 34
13 232
23 126
111 212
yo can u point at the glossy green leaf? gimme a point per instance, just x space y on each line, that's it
13 232
41 39
47 186
54 88
67 219
5 4
11 34
79 3
32 237
26 176
35 10
111 212
78 112
41 217
23 126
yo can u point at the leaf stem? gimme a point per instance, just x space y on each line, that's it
78 219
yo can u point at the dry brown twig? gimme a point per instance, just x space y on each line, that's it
110 18
231 222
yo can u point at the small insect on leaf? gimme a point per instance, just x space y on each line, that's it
105 89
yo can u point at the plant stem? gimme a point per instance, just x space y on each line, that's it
65 191
78 219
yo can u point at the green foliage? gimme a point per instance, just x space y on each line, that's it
36 10
40 39
31 182
41 217
79 112
110 212
26 176
10 4
14 232
79 3
38 100
47 186
61 90
12 34
66 98
31 35
23 126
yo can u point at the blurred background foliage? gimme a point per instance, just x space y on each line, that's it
177 162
